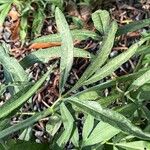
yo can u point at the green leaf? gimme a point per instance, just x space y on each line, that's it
5 1
104 51
89 95
67 47
44 55
87 127
26 145
106 131
146 112
53 125
26 134
101 133
3 6
4 12
143 92
58 3
136 25
143 50
136 145
75 137
23 28
76 35
103 54
21 97
38 21
106 101
143 79
101 20
78 22
68 121
93 90
26 123
114 63
106 115
4 123
13 70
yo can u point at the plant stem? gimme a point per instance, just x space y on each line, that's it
29 121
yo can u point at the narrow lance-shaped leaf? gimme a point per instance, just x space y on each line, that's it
21 97
4 13
109 116
76 35
13 70
114 64
87 127
23 28
67 47
38 21
103 54
105 49
101 133
136 145
3 6
69 125
58 3
136 25
26 123
141 80
67 120
104 132
53 124
30 145
44 55
111 83
101 20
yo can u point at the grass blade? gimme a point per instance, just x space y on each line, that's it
67 47
23 28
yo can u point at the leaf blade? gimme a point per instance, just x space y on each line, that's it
67 47
19 99
133 26
44 55
76 35
115 63
113 118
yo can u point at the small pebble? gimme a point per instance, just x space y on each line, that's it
39 133
113 54
8 96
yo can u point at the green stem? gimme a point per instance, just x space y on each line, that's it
29 121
